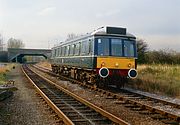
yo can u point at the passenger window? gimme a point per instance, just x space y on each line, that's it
67 50
77 49
52 53
72 50
63 51
90 46
59 54
55 52
84 48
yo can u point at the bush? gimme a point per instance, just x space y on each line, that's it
163 57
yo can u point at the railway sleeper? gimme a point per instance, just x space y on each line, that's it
69 100
63 101
170 121
85 114
56 100
51 96
67 104
77 108
72 111
137 109
103 119
62 96
157 116
164 113
131 106
145 112
119 102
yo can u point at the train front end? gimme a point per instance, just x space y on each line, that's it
116 55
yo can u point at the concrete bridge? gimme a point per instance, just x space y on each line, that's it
16 55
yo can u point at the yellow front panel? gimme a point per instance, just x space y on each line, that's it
115 62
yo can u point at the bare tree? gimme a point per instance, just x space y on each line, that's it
15 43
142 48
71 36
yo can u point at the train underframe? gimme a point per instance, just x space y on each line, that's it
89 76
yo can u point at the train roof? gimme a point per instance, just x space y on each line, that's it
103 31
112 31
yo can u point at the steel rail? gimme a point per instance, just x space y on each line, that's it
97 109
66 120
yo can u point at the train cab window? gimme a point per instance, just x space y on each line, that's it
103 46
71 50
116 47
129 48
77 49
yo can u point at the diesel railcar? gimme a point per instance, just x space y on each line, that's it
101 58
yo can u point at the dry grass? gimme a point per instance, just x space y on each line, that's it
164 79
3 71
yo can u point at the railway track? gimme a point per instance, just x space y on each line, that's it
166 111
71 108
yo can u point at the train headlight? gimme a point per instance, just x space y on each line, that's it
132 73
104 72
129 65
116 64
103 64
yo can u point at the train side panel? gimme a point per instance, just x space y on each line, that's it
78 62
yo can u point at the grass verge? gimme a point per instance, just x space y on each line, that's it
161 79
3 71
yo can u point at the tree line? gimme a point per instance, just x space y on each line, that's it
163 56
12 43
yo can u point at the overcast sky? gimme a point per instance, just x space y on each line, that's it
42 23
